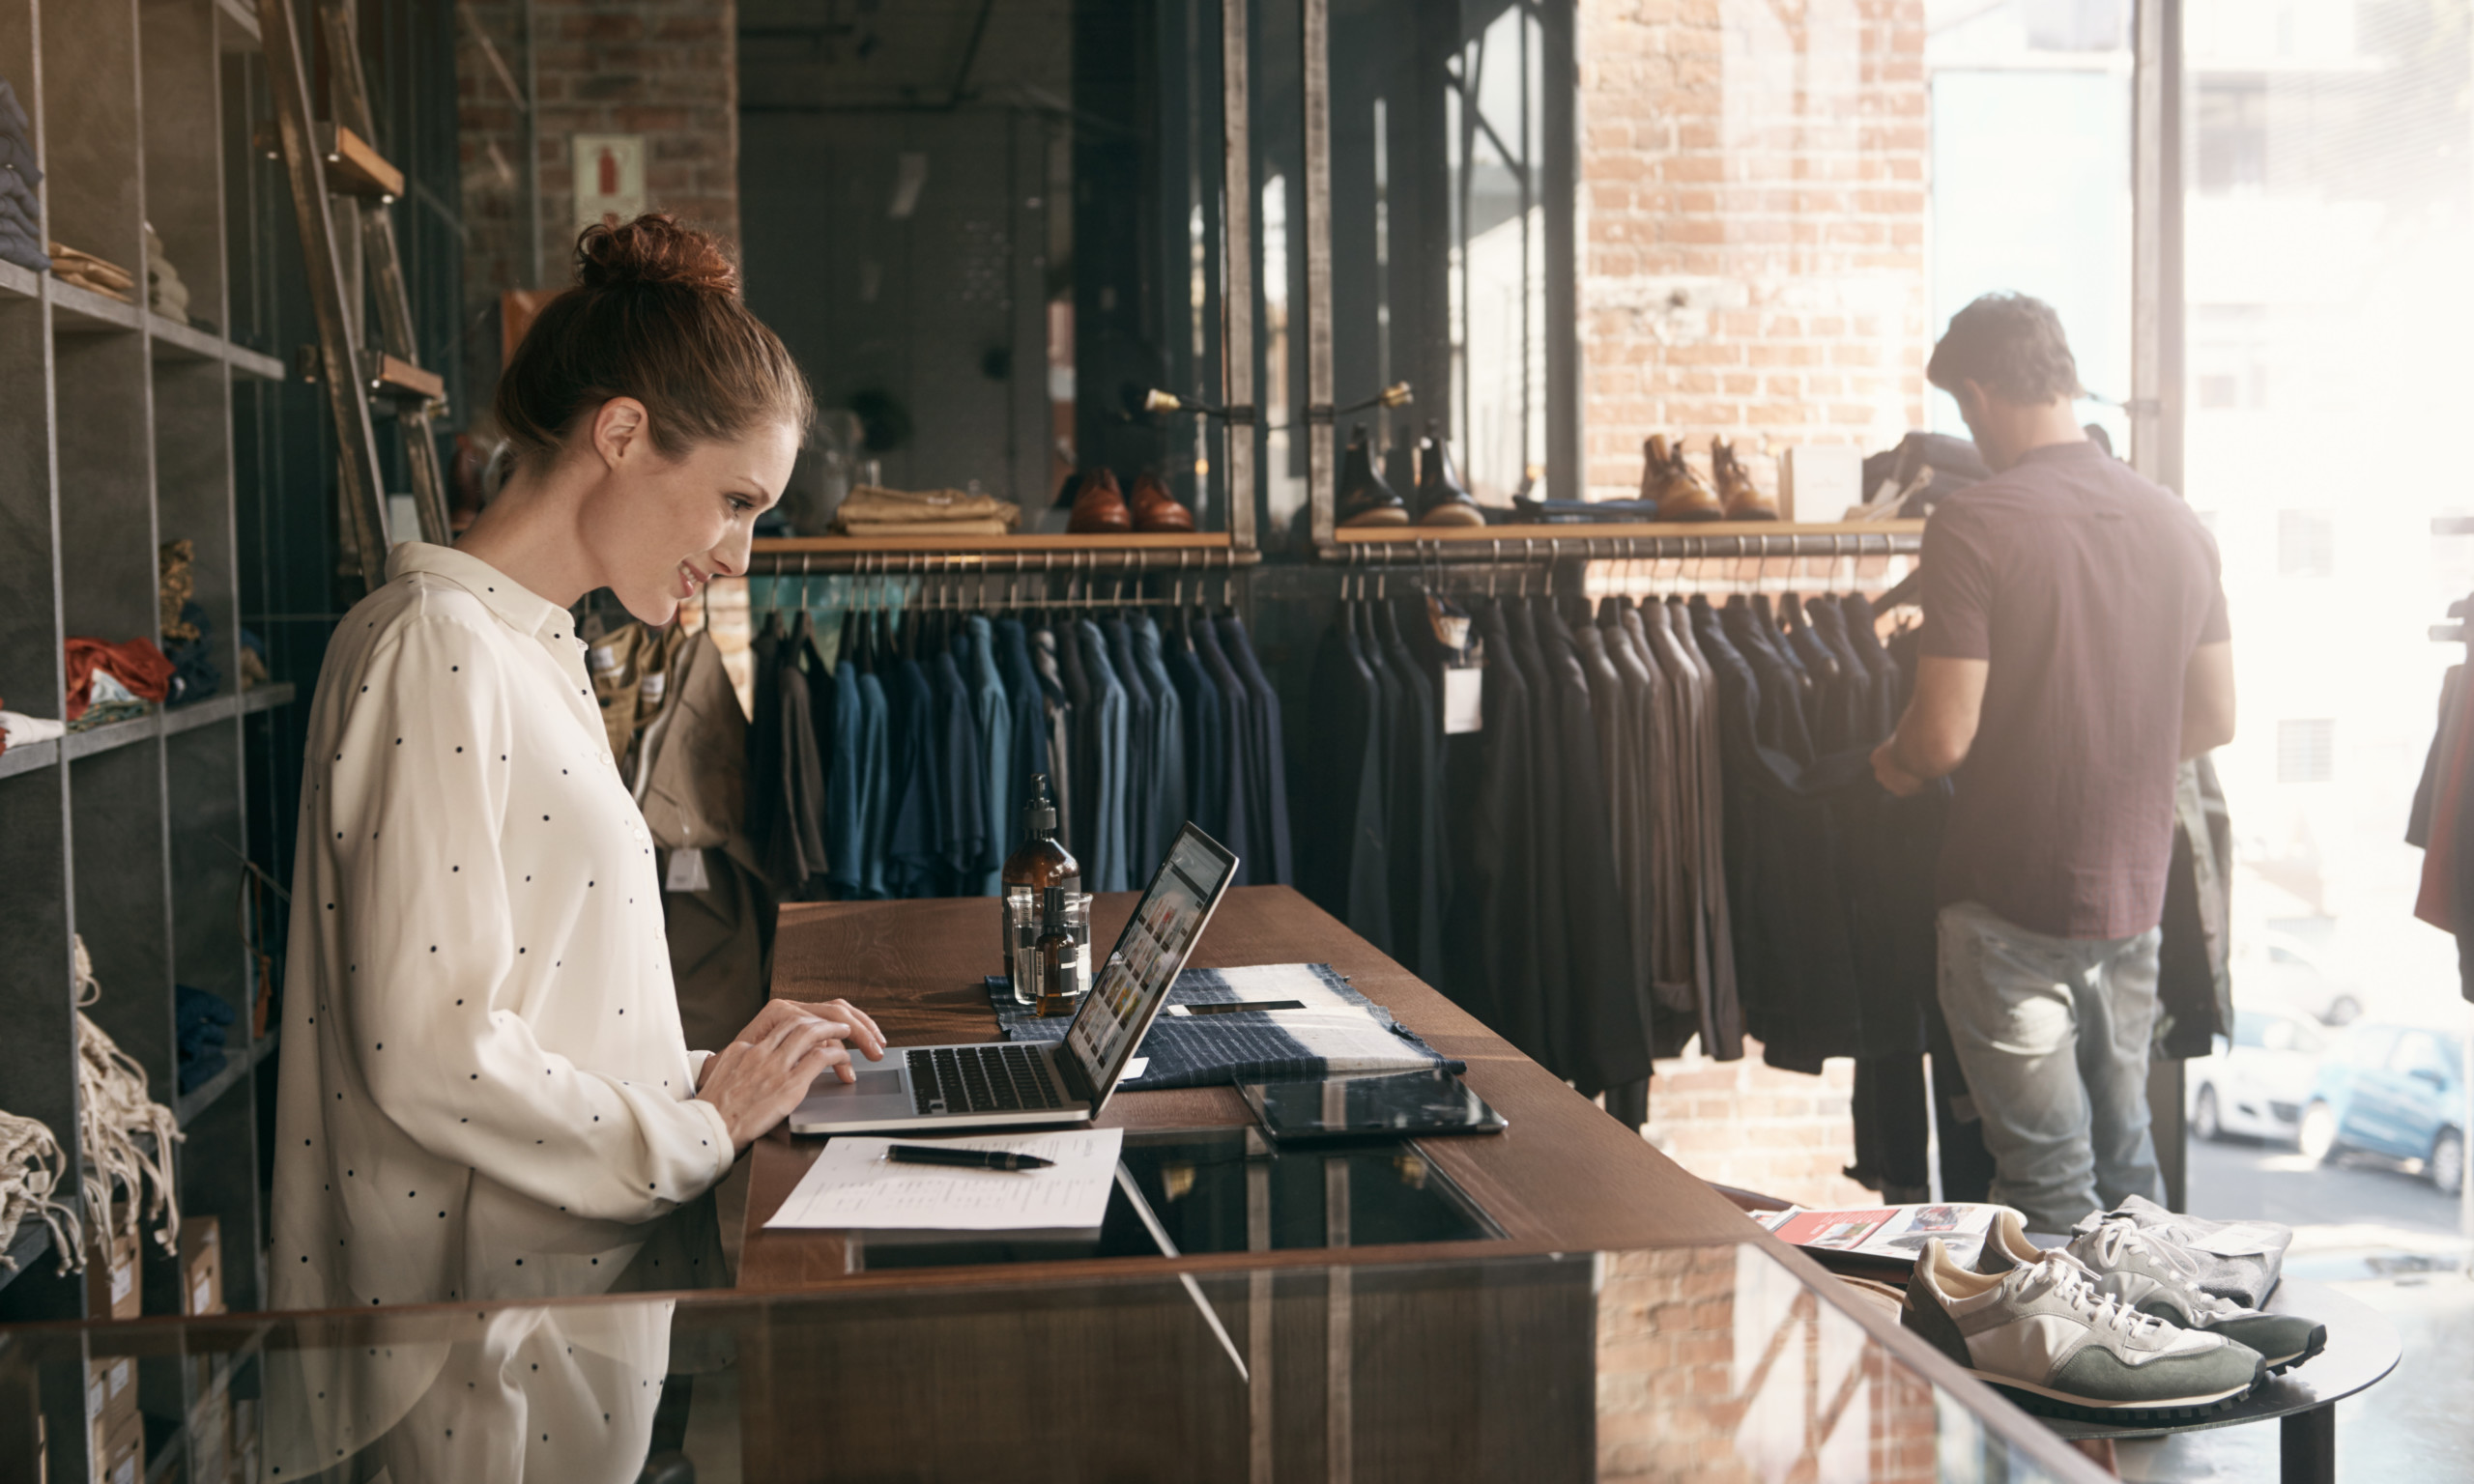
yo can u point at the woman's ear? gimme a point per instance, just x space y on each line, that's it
619 429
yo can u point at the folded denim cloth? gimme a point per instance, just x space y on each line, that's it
19 248
13 115
19 156
195 673
199 1020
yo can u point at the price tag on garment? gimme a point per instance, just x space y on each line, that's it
1463 698
603 659
686 872
655 684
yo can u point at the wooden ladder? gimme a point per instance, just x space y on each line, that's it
339 180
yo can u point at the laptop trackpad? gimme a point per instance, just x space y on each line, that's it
874 1082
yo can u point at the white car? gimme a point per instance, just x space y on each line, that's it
2280 971
2257 1087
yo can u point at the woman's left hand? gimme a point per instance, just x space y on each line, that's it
864 1035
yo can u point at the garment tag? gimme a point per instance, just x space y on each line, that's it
603 659
1463 700
655 684
686 872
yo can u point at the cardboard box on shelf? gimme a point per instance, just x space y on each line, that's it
111 1279
121 1459
201 1266
111 1398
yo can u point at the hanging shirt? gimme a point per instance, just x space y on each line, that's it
487 1094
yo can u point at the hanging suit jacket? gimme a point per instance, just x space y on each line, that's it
691 786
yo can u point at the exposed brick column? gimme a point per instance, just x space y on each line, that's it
1753 189
667 70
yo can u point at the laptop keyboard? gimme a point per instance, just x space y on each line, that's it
980 1079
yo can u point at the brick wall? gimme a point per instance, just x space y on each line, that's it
1751 1125
1754 202
667 70
1754 205
1716 1364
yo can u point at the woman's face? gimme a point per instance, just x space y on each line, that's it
660 529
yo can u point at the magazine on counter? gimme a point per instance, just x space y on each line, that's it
1893 1234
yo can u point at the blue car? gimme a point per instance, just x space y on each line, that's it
2391 1090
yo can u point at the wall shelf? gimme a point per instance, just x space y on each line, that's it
1612 540
894 555
27 757
76 311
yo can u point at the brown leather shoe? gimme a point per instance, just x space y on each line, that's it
1155 509
1675 485
1442 498
1099 508
1364 499
1741 500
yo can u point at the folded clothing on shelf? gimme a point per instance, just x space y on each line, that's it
134 670
1563 512
18 729
199 1022
871 510
20 212
165 294
195 673
88 272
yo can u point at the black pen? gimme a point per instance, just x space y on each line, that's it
970 1158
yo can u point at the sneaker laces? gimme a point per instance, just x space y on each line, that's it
2073 1285
2171 1263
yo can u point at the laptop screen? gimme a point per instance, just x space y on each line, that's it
1129 990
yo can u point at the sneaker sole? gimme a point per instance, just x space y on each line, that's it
2318 1342
2044 1401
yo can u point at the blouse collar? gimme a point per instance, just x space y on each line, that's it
524 609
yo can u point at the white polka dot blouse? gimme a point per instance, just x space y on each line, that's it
465 1112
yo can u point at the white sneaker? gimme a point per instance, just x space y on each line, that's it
2043 1334
2150 1273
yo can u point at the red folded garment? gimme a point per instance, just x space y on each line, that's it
137 663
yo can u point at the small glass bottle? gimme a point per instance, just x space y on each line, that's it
1039 864
1054 954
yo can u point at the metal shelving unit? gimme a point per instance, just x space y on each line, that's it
121 428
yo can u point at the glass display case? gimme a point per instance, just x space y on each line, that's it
1570 1367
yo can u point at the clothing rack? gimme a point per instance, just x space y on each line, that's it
1068 556
1531 544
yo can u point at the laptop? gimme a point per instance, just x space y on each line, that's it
1016 1084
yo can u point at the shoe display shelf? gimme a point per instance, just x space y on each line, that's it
1624 540
1061 553
122 429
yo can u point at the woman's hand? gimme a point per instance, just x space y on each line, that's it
761 1076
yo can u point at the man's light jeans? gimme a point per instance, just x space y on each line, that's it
2053 1034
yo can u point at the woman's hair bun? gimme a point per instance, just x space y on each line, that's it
655 249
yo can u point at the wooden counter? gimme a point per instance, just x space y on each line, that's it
1563 1177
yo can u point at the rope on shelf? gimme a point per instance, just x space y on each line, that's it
113 1109
31 1164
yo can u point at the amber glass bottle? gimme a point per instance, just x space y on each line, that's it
1039 864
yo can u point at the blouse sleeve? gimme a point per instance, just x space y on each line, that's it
420 792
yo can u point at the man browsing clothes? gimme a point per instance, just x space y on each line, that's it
2075 652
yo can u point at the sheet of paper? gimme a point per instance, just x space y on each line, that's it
1135 1066
851 1186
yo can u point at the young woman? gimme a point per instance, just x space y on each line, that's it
485 1094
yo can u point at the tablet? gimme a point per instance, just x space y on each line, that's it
1396 1103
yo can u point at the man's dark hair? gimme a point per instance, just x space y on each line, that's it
2013 345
